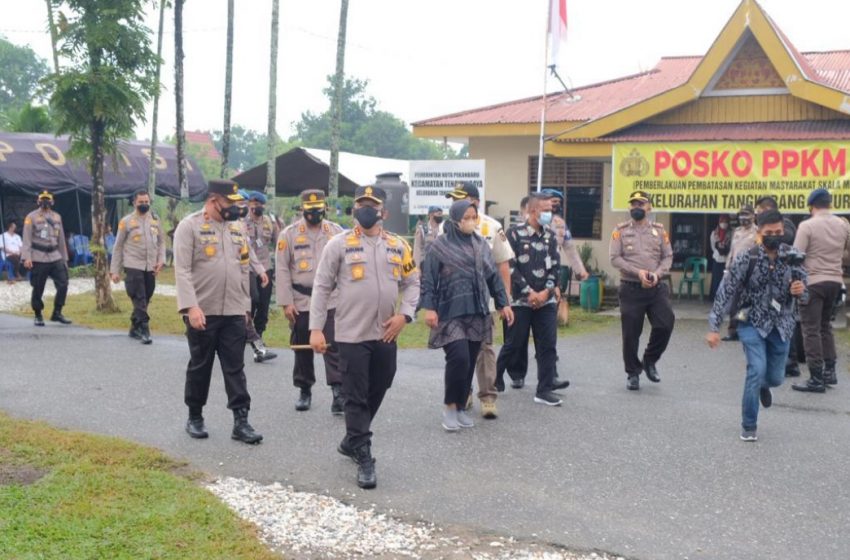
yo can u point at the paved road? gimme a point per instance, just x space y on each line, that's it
655 475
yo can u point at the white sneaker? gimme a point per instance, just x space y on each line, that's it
463 420
450 423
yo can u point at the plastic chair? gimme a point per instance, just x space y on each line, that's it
694 271
82 252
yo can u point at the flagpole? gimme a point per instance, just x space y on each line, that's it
543 108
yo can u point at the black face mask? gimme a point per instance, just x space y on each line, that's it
438 219
745 221
231 213
771 242
258 210
143 208
366 216
314 217
637 214
243 211
45 204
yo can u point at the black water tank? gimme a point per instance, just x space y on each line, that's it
398 201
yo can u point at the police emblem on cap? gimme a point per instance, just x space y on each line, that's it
369 191
313 198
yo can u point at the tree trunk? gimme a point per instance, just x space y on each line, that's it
336 110
53 38
272 132
152 165
228 91
102 287
178 98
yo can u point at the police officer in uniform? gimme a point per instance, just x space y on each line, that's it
211 261
140 250
299 248
641 251
263 232
426 233
370 267
45 253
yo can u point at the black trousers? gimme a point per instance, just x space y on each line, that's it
816 323
303 370
368 369
516 364
636 303
716 276
460 369
225 336
260 300
140 285
58 272
543 323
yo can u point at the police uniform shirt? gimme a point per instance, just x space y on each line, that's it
491 230
299 249
637 247
140 243
566 247
370 272
825 239
211 263
742 240
537 263
425 235
44 237
262 234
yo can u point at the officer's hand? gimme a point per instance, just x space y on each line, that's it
392 327
431 318
507 314
584 275
115 278
264 279
157 268
557 294
713 339
797 288
197 318
317 342
28 264
290 312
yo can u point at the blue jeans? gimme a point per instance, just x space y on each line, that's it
765 368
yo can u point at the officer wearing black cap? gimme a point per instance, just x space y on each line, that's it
825 240
371 268
45 253
211 261
641 251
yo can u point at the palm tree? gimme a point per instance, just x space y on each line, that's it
178 98
228 91
152 166
272 133
336 122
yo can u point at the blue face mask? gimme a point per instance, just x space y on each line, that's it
545 218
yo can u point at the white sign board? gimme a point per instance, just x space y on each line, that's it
430 180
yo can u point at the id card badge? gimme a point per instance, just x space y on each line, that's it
259 242
548 263
776 305
43 234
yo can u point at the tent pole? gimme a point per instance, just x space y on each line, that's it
79 213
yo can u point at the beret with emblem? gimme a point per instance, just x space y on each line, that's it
819 196
312 199
639 196
225 188
368 192
257 196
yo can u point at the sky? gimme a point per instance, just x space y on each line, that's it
426 58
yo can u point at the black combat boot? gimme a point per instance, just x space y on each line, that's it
792 369
145 334
338 402
366 477
305 399
195 425
134 332
242 430
651 372
830 378
815 383
261 353
57 317
39 320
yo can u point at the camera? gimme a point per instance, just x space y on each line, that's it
791 256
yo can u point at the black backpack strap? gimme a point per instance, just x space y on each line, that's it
754 253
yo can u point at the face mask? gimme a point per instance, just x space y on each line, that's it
637 214
143 208
314 217
438 219
231 213
467 226
545 218
45 204
771 242
723 225
366 216
258 210
745 221
243 211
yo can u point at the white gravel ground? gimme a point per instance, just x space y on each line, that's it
13 296
305 525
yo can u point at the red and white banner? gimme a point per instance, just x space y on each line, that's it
557 28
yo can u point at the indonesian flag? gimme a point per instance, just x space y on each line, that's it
557 28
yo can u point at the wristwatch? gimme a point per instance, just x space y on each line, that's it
408 319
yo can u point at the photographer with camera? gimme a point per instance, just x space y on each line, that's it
764 282
825 239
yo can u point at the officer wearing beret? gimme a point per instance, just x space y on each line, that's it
211 261
426 233
262 235
825 240
299 247
371 268
140 250
641 251
45 253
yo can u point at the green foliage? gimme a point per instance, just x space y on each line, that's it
365 129
28 118
248 148
20 72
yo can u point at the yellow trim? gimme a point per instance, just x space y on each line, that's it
498 129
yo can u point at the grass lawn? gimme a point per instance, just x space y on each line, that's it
75 496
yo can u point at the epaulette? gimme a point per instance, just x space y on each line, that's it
657 225
623 225
402 239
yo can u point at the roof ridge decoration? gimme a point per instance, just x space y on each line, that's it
800 78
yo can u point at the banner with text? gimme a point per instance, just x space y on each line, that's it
430 180
722 176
